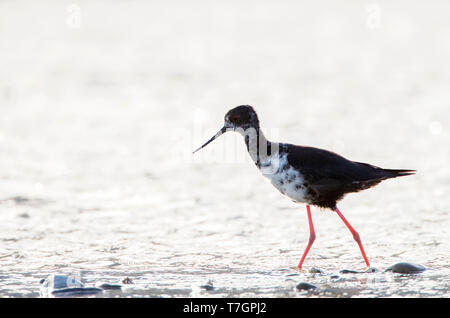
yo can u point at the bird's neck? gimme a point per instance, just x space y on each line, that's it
259 148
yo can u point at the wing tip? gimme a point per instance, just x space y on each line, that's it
401 172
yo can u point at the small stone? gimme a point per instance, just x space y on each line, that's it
334 276
106 286
348 271
127 281
59 285
305 286
59 281
316 270
77 291
372 270
406 268
208 286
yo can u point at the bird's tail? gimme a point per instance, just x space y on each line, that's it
388 173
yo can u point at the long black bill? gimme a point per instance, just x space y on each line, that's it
220 132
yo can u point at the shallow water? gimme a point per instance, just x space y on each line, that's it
98 123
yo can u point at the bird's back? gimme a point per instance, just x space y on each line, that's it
329 176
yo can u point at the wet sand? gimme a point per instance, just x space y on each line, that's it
98 123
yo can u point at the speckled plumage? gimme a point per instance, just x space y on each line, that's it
284 177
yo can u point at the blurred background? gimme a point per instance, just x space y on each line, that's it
102 103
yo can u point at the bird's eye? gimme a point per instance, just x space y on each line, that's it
234 118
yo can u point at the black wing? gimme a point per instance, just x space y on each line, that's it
330 176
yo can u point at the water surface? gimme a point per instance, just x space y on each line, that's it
98 123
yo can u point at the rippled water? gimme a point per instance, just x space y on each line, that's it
98 121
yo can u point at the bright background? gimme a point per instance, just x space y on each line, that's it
102 102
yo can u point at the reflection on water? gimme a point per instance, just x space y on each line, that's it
93 115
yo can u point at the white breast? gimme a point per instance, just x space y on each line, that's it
286 179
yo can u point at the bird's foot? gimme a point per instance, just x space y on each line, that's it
298 269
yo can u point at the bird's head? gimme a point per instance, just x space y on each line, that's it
240 118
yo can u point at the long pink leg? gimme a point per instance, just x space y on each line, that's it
312 237
355 235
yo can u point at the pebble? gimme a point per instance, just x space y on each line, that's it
348 271
107 286
305 286
406 268
208 286
316 270
372 270
79 291
65 286
127 281
351 271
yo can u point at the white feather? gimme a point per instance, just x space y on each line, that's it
286 179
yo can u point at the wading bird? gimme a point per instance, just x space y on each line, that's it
305 174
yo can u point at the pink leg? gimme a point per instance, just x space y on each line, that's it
355 235
312 237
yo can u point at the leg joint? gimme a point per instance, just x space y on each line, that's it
356 237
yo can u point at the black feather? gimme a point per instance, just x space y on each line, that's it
330 176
